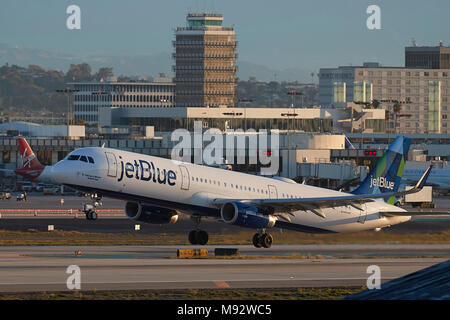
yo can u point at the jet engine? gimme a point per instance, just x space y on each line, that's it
245 215
150 214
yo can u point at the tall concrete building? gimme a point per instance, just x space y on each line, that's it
423 87
205 56
427 57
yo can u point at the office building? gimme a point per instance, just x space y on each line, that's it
423 93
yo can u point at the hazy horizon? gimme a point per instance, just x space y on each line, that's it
282 35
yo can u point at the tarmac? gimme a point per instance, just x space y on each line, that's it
43 268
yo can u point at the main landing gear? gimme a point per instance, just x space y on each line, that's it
262 239
89 209
198 236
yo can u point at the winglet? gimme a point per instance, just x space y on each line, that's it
419 185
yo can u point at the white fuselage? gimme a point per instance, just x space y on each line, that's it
191 189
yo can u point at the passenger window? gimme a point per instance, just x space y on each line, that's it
196 179
73 157
91 160
83 158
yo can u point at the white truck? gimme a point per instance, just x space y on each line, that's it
423 198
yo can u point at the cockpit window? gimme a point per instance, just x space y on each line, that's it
83 158
91 160
73 157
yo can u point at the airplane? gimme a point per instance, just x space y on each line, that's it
439 179
156 190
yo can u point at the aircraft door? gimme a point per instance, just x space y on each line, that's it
273 194
112 164
185 179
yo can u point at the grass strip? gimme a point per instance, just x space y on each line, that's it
59 237
331 293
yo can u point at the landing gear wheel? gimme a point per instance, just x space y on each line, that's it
257 240
91 215
193 237
202 237
198 237
266 240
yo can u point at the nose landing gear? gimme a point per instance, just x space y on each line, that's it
90 209
198 236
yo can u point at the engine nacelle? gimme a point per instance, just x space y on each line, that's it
150 214
245 215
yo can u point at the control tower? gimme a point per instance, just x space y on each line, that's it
205 62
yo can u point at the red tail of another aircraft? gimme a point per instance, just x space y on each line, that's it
31 167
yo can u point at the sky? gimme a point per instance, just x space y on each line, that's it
281 34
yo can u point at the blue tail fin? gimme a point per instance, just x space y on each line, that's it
386 175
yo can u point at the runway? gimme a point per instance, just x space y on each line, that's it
31 268
29 215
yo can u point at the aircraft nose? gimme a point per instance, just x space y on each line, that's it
60 173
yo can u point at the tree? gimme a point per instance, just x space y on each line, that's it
375 104
397 108
79 72
103 73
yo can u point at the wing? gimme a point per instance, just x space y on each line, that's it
280 206
415 213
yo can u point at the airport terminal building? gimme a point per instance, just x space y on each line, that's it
90 96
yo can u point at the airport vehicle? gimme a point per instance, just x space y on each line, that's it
5 195
423 197
22 196
39 187
50 189
26 186
157 189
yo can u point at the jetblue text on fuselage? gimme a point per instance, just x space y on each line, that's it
146 171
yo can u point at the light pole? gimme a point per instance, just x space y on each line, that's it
99 94
245 101
294 93
67 92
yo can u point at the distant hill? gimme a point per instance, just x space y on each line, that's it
139 65
248 69
145 65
